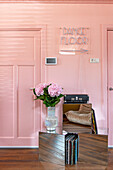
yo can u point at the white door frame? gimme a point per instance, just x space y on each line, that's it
105 28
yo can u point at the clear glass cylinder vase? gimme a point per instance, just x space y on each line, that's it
51 121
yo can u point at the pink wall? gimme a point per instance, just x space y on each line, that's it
74 73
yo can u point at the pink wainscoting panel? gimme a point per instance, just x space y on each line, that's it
18 46
25 111
6 101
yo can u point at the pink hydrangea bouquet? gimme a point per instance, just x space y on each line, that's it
49 93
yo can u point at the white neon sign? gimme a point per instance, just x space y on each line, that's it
74 39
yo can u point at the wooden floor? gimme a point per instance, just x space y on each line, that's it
28 159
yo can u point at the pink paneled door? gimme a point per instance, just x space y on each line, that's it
110 87
19 71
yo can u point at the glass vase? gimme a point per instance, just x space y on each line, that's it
51 121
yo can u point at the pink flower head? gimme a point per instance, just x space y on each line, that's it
39 90
44 85
54 90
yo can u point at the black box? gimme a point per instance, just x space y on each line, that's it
76 98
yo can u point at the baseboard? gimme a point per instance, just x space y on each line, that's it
110 146
19 147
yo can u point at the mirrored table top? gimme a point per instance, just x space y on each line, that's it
59 130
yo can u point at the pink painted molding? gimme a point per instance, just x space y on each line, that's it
60 1
104 77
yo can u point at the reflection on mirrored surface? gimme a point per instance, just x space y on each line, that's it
79 118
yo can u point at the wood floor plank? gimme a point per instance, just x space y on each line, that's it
28 159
